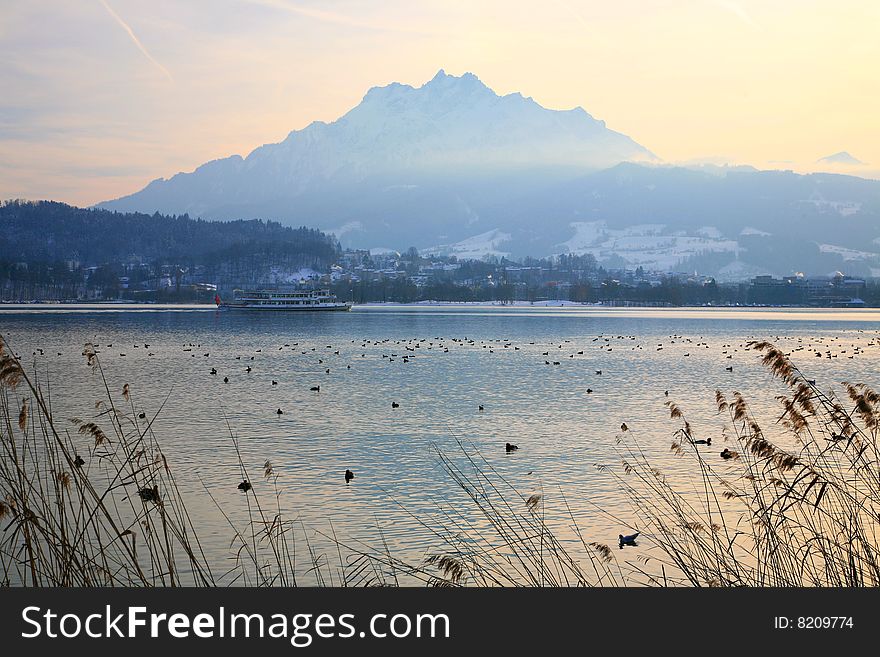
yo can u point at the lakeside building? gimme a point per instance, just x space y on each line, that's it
835 291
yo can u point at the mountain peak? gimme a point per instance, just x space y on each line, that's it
451 128
467 82
843 157
442 75
441 85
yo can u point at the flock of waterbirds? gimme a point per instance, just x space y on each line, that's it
329 358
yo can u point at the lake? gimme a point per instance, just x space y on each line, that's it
530 368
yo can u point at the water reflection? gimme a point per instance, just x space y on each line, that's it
529 368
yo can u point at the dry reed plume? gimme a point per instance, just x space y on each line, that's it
96 504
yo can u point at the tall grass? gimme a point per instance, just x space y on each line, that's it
495 536
92 505
798 507
93 502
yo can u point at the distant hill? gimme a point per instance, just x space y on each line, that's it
840 158
731 222
405 166
46 231
453 168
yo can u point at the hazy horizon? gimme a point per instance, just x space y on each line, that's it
105 96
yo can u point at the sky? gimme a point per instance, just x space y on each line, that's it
98 97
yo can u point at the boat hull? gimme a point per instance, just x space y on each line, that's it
297 309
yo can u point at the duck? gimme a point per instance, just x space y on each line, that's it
480 407
149 494
727 454
225 379
510 448
245 486
708 441
279 412
349 475
628 540
395 405
315 388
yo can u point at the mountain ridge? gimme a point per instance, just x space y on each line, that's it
447 125
841 157
452 167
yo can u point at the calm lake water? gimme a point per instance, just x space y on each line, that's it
458 358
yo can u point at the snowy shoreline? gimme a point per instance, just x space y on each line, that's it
528 304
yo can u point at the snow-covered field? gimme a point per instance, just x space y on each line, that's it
748 230
847 254
843 208
474 248
646 245
739 271
547 303
279 276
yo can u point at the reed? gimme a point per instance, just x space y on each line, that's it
798 507
93 501
92 504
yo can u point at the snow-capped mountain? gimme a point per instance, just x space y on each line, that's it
452 167
840 158
732 222
398 138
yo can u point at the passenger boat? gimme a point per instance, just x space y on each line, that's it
302 300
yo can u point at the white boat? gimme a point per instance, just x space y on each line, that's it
275 300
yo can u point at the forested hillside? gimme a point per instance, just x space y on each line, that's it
47 231
51 250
